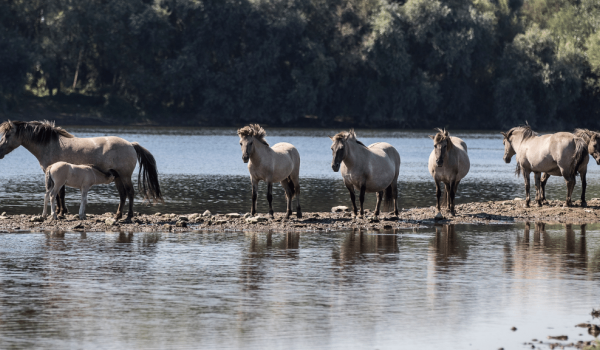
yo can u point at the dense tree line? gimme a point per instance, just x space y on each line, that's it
370 63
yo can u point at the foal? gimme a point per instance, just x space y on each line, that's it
77 176
280 163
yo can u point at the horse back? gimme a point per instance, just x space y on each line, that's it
385 150
109 152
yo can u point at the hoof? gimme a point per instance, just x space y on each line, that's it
584 204
299 215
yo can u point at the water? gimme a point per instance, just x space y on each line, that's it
201 168
451 287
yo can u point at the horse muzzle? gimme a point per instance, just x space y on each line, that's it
335 167
440 163
507 160
245 158
596 157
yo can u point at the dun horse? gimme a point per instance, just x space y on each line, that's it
367 169
51 144
448 163
561 154
77 176
280 163
592 139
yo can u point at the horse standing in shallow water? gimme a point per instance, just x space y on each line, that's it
51 144
448 163
280 163
561 154
592 139
78 176
367 169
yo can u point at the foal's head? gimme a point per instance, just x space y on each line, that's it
340 147
441 144
248 135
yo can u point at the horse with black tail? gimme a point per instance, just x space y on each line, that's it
51 144
561 154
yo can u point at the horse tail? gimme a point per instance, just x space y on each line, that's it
388 198
579 157
148 174
49 180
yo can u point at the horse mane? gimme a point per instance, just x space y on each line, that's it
347 135
525 129
253 130
441 136
585 134
39 132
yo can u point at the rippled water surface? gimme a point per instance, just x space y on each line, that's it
446 287
201 168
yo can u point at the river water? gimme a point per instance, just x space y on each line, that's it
450 287
202 168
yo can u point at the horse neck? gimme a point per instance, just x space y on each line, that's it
41 152
518 142
355 154
261 153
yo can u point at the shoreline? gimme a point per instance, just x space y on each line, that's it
479 213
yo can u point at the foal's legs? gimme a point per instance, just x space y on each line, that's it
361 198
350 188
538 187
378 205
270 198
84 193
122 194
254 196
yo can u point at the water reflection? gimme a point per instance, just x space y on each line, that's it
446 246
360 245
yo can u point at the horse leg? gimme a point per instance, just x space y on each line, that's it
451 192
570 186
46 198
53 202
361 198
286 184
378 205
538 187
84 193
254 196
296 185
583 186
270 198
122 194
526 177
352 198
130 192
545 178
60 201
395 195
438 194
447 186
453 195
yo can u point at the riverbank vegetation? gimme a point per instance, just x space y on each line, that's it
471 64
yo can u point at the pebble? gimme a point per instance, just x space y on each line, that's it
339 209
207 213
110 221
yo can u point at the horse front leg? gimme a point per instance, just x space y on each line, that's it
350 188
583 186
122 195
378 205
395 195
361 198
270 198
570 187
538 188
527 188
545 178
451 193
438 194
297 193
254 197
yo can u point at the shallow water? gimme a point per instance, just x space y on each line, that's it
446 287
201 168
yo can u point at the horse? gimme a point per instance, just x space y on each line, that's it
448 163
51 144
280 163
592 139
561 154
77 176
367 169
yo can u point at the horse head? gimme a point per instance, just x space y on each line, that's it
441 144
594 147
509 151
10 139
248 135
339 147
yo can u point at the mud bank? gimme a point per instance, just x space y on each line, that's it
473 213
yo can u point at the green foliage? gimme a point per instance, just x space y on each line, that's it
373 63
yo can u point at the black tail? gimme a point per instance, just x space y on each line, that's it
581 150
148 176
388 198
291 187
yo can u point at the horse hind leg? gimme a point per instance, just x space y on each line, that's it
544 180
62 204
361 199
378 205
538 188
289 194
570 186
395 197
130 192
122 195
270 198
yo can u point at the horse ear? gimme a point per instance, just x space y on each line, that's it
432 137
503 134
331 137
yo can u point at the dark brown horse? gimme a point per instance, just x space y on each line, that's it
51 144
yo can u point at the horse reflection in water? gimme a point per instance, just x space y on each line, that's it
533 254
363 246
447 246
